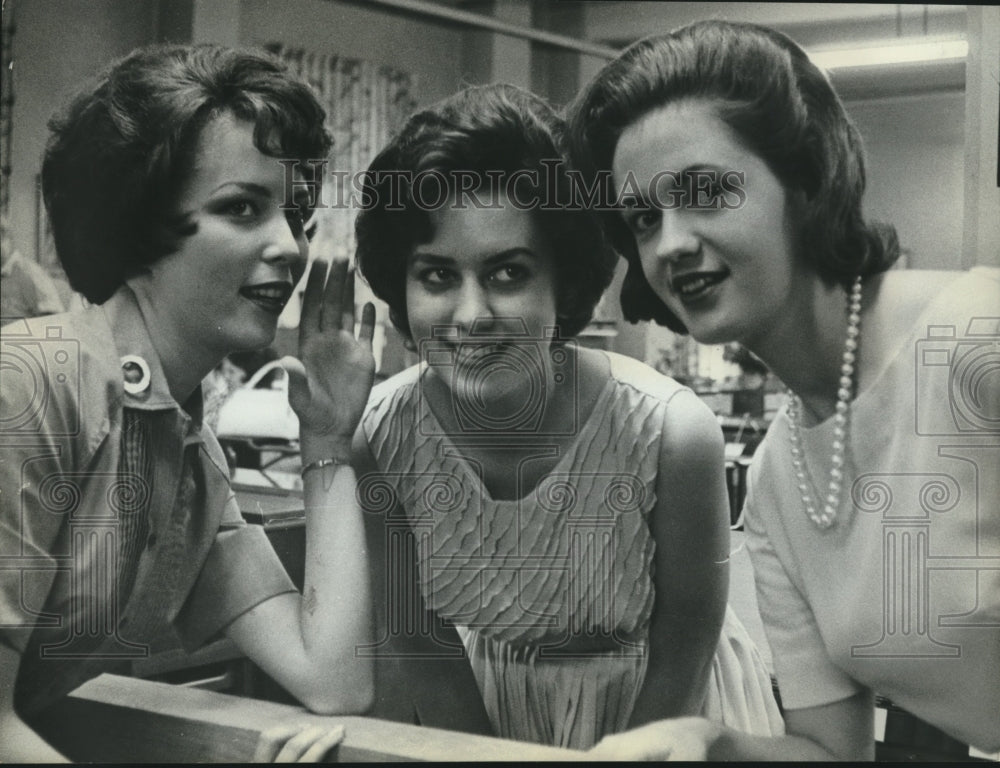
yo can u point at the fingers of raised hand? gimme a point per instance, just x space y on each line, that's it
367 330
338 299
328 304
296 743
311 318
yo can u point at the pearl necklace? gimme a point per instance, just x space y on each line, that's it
835 485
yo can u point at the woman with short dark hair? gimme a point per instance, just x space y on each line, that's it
865 476
565 508
171 212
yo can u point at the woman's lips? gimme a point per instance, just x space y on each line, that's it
694 286
271 297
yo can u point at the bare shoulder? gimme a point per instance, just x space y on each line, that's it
690 429
642 377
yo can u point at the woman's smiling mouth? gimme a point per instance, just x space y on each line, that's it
693 286
271 297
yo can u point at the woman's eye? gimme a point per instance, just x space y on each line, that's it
509 273
435 276
241 208
708 197
641 220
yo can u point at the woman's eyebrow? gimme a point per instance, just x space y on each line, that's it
431 258
507 253
493 258
246 186
634 200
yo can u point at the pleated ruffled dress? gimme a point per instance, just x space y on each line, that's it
572 558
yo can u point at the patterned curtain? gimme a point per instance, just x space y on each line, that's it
366 104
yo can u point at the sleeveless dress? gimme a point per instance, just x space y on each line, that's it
572 557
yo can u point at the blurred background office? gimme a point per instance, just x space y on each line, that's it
919 80
930 123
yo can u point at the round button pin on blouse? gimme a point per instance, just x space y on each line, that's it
135 371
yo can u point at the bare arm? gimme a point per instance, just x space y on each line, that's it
843 730
307 643
690 525
418 676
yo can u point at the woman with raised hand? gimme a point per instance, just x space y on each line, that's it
564 509
168 201
740 217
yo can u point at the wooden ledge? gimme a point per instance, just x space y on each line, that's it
123 719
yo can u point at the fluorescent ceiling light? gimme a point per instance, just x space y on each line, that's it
891 53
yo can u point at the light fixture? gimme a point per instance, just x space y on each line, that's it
919 51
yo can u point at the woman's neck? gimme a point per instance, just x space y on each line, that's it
183 360
555 404
806 349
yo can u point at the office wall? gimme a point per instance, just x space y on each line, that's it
425 49
59 43
915 143
56 46
915 172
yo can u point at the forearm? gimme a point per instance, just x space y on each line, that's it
840 730
735 745
308 643
335 611
680 663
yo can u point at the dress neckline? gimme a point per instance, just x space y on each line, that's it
450 450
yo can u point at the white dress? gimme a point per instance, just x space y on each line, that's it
573 557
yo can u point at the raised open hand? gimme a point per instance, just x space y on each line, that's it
330 380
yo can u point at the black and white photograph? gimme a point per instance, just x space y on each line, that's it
481 380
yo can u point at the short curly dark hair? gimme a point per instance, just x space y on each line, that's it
497 133
120 151
778 102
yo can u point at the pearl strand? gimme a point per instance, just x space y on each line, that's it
824 519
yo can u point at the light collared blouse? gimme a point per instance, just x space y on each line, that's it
68 499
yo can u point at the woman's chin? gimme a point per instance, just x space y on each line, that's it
252 340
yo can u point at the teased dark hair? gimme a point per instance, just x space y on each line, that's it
119 153
500 129
781 106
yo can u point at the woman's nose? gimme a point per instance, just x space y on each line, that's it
678 238
472 305
281 242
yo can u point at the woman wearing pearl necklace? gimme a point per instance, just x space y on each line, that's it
871 514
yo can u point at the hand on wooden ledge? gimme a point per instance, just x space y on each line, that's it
684 738
297 743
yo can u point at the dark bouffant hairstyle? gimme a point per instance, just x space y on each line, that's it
496 134
780 105
120 152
